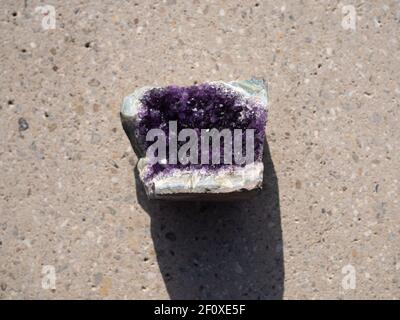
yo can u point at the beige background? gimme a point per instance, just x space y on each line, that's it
67 188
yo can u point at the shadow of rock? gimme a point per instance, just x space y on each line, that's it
220 250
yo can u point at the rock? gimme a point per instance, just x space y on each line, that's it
23 124
209 106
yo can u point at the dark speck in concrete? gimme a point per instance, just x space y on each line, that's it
94 83
23 124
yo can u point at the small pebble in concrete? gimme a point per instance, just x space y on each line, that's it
23 124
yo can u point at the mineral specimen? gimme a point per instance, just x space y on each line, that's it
230 115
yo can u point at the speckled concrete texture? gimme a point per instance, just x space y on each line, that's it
73 221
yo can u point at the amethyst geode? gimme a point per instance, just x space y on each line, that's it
219 105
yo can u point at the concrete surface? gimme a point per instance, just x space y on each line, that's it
72 223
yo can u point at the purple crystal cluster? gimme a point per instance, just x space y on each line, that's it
203 106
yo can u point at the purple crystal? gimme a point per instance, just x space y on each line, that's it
203 106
